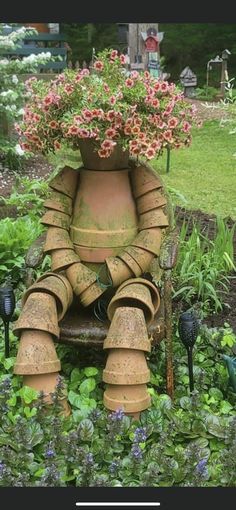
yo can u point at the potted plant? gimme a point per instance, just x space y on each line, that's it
107 113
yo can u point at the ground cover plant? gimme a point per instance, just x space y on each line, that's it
189 441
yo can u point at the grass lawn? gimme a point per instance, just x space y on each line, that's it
205 172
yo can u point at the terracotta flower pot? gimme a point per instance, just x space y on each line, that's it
119 159
126 366
57 238
118 270
47 383
61 259
126 257
59 202
142 257
90 294
133 398
153 289
80 277
94 255
66 181
55 287
56 219
150 200
127 334
39 312
36 354
105 217
144 180
149 240
155 218
137 295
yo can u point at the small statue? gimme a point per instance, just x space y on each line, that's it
105 229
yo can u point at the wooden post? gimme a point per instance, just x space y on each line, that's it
169 346
223 76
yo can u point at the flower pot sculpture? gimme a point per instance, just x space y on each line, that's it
105 223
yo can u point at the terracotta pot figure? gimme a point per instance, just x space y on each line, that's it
110 218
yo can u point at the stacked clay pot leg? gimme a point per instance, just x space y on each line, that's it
126 372
44 303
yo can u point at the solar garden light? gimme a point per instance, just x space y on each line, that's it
188 328
7 307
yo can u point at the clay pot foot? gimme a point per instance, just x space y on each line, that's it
47 383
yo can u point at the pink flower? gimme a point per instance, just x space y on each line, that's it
83 133
122 59
110 115
186 127
114 54
150 153
53 124
168 135
78 119
57 144
73 130
106 88
103 153
129 83
98 65
108 144
134 150
87 114
135 130
164 86
68 89
155 103
173 122
112 100
127 130
110 132
134 75
155 145
157 86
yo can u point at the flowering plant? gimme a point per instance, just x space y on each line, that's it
108 105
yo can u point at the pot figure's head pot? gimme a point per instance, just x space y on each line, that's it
92 161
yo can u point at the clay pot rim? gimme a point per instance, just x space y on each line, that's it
148 313
150 285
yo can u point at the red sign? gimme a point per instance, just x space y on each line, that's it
151 44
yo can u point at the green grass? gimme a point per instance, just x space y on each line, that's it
205 172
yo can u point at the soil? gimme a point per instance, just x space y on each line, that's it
38 167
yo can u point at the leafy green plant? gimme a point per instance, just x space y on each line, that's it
203 266
206 93
28 196
15 238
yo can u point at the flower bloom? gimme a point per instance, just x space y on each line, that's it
107 144
98 65
167 135
122 59
114 54
173 122
57 144
68 89
129 83
53 124
186 127
112 100
134 75
150 153
110 132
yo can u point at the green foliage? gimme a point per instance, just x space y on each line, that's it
203 266
28 196
16 237
206 93
190 441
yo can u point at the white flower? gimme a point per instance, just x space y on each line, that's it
14 79
19 150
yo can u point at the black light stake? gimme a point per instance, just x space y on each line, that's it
188 328
7 307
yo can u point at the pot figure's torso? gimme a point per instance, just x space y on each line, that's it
104 218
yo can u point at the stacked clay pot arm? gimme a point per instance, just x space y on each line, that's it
151 205
58 242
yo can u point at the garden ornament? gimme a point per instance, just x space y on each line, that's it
188 328
7 307
106 222
231 367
